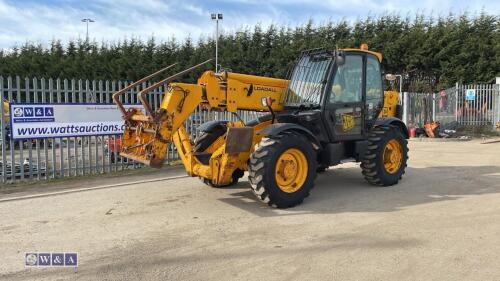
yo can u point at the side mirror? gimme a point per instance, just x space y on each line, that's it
390 77
340 59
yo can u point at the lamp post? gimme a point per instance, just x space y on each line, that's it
87 20
216 17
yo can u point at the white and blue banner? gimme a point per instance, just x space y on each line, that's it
28 121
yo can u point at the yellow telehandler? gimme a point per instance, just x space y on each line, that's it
331 109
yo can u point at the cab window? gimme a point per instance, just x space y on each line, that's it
348 82
374 90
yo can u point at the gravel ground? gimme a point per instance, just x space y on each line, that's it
442 222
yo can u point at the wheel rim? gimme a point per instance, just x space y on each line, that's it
291 170
393 155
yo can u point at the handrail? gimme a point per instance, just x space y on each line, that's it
122 91
141 94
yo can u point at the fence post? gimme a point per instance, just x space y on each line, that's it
456 102
2 130
496 96
433 107
10 98
20 142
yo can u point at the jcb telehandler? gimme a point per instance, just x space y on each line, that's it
331 109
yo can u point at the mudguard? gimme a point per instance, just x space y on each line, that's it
395 122
275 129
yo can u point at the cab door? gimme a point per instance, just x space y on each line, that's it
345 104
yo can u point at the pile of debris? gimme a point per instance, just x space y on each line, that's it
435 130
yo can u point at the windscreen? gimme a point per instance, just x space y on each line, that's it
308 79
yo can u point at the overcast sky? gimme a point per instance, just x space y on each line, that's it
43 20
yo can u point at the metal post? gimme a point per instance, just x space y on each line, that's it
216 45
216 17
456 102
496 96
3 134
87 20
405 108
434 107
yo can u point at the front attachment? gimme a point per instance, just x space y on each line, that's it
147 135
146 138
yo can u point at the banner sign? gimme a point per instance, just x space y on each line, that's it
29 121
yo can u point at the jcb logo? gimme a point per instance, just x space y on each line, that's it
348 122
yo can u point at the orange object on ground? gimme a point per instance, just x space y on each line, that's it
429 129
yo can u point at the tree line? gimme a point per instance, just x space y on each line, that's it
437 50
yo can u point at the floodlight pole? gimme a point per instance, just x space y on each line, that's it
216 17
87 20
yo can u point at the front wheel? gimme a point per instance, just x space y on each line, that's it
385 159
282 169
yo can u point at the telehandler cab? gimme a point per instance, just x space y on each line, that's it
332 109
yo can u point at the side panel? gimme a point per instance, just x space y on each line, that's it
245 96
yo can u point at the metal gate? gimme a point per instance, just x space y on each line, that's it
37 159
482 110
454 106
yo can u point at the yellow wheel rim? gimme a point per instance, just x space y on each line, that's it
291 170
393 155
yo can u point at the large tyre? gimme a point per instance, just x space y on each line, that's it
282 169
205 139
385 159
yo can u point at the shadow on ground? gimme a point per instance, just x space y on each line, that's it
344 190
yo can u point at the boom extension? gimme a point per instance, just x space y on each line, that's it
148 134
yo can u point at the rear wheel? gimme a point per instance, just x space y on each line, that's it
385 160
282 170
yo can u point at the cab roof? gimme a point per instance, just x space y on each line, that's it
378 55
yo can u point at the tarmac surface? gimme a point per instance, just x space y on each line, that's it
442 222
